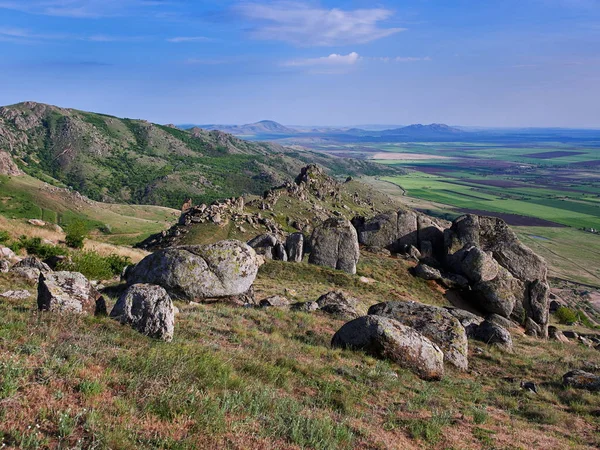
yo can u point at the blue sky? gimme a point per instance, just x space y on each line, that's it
462 62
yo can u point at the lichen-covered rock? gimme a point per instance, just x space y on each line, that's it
502 321
538 305
148 309
389 339
427 272
478 265
8 166
334 244
4 266
69 292
294 244
275 301
16 295
499 295
339 304
199 272
33 263
304 306
580 379
492 333
435 323
264 245
467 319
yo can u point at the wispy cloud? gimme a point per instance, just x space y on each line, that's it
400 59
305 25
79 8
184 39
332 60
25 36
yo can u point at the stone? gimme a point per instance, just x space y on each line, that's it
478 265
334 244
28 273
339 304
304 306
467 319
538 306
276 301
498 295
36 222
8 166
69 292
7 253
148 309
492 333
294 244
16 295
571 334
454 281
435 323
4 266
502 321
580 379
427 272
556 335
264 245
198 272
532 328
389 339
33 263
279 252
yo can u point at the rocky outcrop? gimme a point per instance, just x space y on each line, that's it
339 304
148 309
580 379
199 272
8 166
69 292
389 339
294 245
508 277
334 244
437 324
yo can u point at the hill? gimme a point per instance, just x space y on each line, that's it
113 160
263 127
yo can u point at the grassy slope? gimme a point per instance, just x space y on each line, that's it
28 198
268 379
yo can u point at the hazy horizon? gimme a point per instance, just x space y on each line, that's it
532 63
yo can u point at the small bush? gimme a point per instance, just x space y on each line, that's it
4 237
95 266
566 315
35 246
76 234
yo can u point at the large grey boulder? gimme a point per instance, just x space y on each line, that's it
467 319
478 266
427 272
499 296
338 304
264 245
435 323
7 253
334 244
389 339
492 333
69 292
582 380
294 244
148 309
33 263
199 272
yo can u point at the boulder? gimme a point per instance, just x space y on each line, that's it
492 333
304 306
7 253
430 236
538 305
148 309
16 295
276 301
498 296
279 252
389 339
334 244
502 321
339 304
4 266
571 334
69 292
427 272
557 335
28 273
32 262
264 244
478 265
467 319
294 244
435 323
532 328
198 272
580 379
454 281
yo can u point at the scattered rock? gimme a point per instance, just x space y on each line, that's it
4 266
148 309
580 379
69 292
37 222
7 253
16 295
33 263
557 335
435 323
334 244
502 321
389 339
492 333
198 272
304 306
275 301
294 245
339 304
427 272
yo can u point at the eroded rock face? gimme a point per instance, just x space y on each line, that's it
148 309
476 245
437 324
389 339
294 245
8 166
69 292
580 379
339 304
334 244
198 272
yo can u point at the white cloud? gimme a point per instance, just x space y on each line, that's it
25 36
79 8
400 59
182 39
306 25
332 60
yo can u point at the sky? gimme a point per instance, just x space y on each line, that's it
502 63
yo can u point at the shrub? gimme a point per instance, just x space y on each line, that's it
95 266
566 315
76 234
35 246
4 237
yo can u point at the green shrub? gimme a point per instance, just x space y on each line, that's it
4 237
35 246
95 266
76 234
566 315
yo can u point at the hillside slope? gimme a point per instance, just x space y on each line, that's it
133 161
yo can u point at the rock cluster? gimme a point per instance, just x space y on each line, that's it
334 244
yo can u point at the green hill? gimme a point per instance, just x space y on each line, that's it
118 160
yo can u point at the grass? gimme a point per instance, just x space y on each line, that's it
249 378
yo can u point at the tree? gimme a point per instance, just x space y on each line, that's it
76 233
